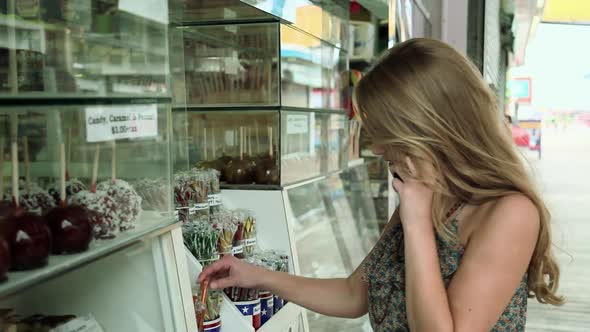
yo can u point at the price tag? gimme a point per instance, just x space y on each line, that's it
80 324
297 123
237 249
250 242
107 123
215 199
201 206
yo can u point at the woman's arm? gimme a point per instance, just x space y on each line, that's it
494 263
345 297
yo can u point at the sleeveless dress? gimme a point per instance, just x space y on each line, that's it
384 271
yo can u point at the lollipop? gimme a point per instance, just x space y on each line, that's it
69 225
102 209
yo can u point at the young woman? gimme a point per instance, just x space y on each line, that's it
470 241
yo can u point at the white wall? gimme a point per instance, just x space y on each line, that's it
454 23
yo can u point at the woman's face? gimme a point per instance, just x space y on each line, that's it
379 150
428 176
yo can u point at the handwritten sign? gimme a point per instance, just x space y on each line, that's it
107 123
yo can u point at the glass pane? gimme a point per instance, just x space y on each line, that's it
86 47
231 64
317 230
242 145
357 187
313 72
314 234
193 11
301 69
95 288
301 150
326 20
337 143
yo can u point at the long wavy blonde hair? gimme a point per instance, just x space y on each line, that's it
425 100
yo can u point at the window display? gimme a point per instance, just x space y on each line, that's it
86 48
234 64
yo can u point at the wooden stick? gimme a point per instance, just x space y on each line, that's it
257 137
249 138
15 192
213 142
270 142
113 161
205 143
27 164
69 153
241 143
1 168
62 175
95 168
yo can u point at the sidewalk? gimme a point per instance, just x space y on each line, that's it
564 174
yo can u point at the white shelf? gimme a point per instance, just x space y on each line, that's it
233 321
283 320
149 223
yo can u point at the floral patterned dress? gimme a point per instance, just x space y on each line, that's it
385 275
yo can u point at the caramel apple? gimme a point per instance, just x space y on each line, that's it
73 187
29 239
127 201
267 171
70 229
102 211
36 201
4 258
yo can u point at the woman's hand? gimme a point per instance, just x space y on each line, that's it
415 199
232 272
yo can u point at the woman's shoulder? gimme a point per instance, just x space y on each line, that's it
514 215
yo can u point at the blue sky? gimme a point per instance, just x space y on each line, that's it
558 60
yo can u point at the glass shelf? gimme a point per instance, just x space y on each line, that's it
150 223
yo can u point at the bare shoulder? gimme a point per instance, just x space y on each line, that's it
515 216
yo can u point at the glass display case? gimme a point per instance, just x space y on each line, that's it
239 86
332 237
83 49
85 164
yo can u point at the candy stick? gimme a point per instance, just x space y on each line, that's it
1 168
205 143
257 137
113 162
69 153
202 298
27 164
270 142
95 168
15 192
241 143
62 175
213 141
249 136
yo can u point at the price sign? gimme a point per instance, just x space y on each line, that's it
297 123
107 123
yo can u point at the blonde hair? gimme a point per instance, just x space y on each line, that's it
424 100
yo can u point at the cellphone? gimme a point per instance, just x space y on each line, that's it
396 176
